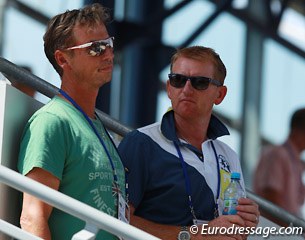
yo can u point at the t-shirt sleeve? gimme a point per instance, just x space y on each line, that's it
43 145
132 150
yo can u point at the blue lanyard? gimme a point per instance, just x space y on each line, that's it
115 177
188 184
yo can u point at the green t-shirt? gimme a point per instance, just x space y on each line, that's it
58 139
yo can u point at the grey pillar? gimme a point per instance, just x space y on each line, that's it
141 64
250 134
2 7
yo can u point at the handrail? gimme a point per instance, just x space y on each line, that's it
72 206
16 232
11 70
276 211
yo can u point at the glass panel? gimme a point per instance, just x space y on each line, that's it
282 90
181 24
51 8
231 52
23 39
23 45
292 27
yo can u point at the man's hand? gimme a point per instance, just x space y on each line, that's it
248 210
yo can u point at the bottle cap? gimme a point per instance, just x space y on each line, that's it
235 175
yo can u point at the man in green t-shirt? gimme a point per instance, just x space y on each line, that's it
65 146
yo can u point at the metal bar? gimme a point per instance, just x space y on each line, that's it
162 15
222 7
268 32
113 124
21 75
84 235
276 211
265 29
16 232
88 233
29 11
72 206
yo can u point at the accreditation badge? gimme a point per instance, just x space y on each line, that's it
123 210
199 222
225 179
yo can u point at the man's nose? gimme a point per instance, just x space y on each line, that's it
108 54
188 86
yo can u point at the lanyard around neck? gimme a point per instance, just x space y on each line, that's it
188 184
62 92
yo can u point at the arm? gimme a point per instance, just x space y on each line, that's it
162 231
170 232
35 213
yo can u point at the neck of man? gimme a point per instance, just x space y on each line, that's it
84 97
193 131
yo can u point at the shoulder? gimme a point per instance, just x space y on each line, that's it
45 120
274 150
225 149
56 111
272 156
142 135
139 144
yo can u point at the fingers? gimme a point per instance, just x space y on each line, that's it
248 210
251 220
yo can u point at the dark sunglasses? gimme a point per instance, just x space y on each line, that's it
96 48
200 83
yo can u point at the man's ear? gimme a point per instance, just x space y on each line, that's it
61 58
222 92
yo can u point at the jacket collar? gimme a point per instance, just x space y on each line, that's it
215 129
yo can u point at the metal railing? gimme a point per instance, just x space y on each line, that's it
11 70
15 232
92 216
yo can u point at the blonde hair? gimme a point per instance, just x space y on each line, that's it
59 33
201 53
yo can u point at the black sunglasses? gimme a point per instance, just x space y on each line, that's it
96 48
200 83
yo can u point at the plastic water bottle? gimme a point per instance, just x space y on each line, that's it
231 195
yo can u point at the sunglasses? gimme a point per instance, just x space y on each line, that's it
200 83
96 48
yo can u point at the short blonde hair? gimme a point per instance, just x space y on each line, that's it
201 53
59 34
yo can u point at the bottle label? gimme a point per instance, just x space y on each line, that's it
230 207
